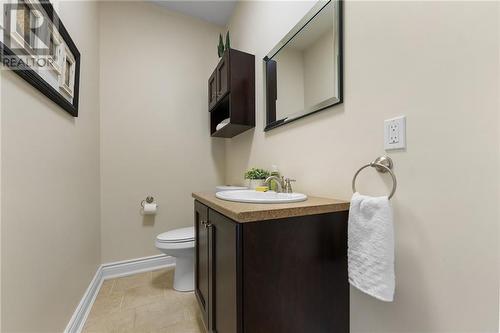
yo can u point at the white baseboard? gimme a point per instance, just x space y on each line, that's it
110 271
134 266
81 313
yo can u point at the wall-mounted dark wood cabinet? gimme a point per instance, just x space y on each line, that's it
212 90
231 94
286 275
223 74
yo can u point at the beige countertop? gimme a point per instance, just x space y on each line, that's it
250 212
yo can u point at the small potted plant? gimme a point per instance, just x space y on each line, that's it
256 177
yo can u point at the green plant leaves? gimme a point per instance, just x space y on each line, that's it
228 42
220 47
256 173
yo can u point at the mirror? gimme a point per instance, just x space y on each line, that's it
304 70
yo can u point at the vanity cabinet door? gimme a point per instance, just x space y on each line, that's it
212 90
222 73
226 266
202 260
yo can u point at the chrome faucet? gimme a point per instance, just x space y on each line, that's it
288 185
284 184
279 181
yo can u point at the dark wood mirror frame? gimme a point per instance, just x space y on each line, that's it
36 80
270 72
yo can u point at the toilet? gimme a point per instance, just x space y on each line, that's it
179 243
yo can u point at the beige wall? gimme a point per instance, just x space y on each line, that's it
439 67
50 191
154 122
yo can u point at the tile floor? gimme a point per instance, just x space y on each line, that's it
146 303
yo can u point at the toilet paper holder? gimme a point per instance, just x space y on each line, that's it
149 200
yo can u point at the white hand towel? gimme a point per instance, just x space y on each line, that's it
222 124
371 246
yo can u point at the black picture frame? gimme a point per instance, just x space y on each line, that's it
30 76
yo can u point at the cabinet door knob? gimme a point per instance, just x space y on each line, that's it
208 225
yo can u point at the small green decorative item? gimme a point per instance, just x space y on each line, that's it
220 47
228 42
256 173
256 177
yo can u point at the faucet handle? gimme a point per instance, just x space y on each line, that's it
288 185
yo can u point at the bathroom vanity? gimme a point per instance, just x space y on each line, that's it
279 268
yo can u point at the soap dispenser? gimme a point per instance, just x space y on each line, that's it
274 172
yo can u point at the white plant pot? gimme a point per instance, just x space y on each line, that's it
253 183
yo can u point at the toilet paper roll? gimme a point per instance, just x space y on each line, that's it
149 208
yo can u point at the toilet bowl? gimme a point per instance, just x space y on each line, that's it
179 243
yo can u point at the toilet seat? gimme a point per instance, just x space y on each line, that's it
181 235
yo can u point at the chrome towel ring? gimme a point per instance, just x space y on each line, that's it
382 164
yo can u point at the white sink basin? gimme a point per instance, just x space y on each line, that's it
252 196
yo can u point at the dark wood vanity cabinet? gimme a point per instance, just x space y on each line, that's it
231 94
202 262
216 265
286 275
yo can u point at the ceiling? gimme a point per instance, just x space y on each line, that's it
217 12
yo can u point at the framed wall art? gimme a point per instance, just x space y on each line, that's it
37 47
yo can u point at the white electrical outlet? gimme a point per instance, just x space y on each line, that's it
395 133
